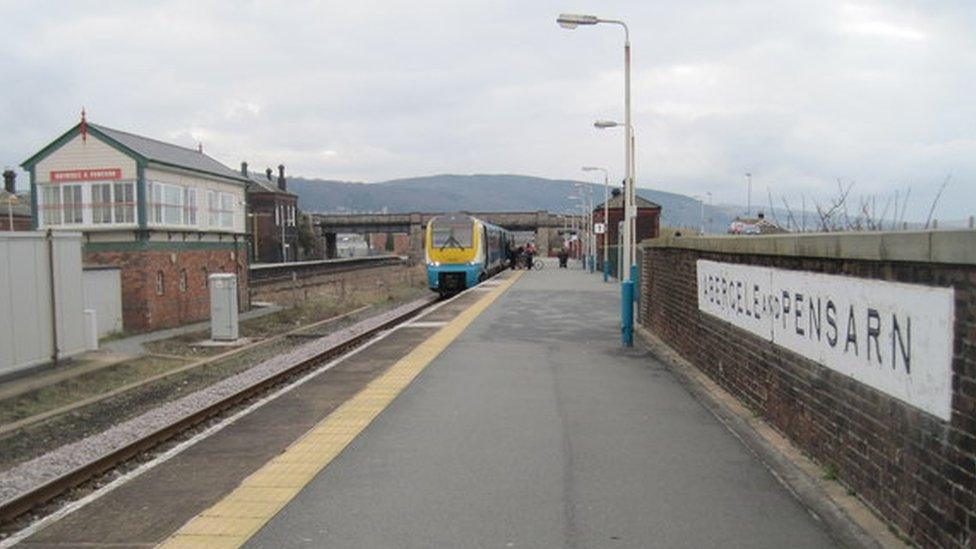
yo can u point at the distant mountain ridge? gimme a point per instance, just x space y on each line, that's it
483 192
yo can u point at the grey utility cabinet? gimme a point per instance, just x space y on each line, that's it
223 307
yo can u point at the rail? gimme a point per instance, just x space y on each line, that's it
193 411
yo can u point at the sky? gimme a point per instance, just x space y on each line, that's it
801 94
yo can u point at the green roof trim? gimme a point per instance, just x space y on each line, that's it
155 149
73 132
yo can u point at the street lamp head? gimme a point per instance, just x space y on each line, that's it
603 124
573 20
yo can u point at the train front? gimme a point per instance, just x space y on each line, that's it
453 253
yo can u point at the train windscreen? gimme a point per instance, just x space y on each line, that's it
451 234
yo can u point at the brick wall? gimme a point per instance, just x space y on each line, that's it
267 239
185 296
341 285
916 470
21 223
401 243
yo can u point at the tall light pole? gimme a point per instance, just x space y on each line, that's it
701 204
709 194
749 194
606 218
571 21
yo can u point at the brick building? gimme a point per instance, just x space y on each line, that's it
648 223
389 243
15 213
166 216
273 217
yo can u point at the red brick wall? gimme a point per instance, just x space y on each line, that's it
144 309
268 237
21 223
401 243
916 470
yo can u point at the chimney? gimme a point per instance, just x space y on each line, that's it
267 173
10 181
282 182
244 169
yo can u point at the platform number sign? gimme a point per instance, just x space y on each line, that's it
599 228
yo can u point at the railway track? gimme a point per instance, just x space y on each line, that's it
33 484
261 275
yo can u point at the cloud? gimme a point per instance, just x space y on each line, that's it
799 93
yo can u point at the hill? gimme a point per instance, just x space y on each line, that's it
483 192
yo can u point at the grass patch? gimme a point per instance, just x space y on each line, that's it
829 472
81 387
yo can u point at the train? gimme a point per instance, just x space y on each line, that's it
462 250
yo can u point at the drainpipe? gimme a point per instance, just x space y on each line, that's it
55 352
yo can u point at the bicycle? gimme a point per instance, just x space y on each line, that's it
522 263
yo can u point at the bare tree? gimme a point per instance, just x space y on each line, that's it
772 211
928 220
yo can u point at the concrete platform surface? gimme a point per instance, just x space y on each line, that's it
535 429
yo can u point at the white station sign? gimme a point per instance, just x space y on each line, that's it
599 228
894 337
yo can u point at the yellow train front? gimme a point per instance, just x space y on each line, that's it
462 250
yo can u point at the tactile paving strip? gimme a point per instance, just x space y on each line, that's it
237 517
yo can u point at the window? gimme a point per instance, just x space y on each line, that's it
160 283
291 216
452 236
183 280
101 203
88 203
213 208
172 205
52 205
156 202
206 277
226 210
124 203
190 206
73 204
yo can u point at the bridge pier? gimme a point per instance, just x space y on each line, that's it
542 235
331 247
416 236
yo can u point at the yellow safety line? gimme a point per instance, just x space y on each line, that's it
241 513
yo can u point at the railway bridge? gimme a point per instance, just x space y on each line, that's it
544 224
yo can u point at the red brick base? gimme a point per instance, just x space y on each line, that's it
183 296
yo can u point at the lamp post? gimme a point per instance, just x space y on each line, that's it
606 218
571 21
749 194
701 205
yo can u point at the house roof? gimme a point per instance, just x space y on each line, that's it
169 154
618 202
259 183
144 149
761 224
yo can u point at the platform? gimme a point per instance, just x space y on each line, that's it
528 427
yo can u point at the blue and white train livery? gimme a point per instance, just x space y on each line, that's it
462 250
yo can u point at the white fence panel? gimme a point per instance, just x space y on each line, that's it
26 326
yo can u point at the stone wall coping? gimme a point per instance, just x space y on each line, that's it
955 247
